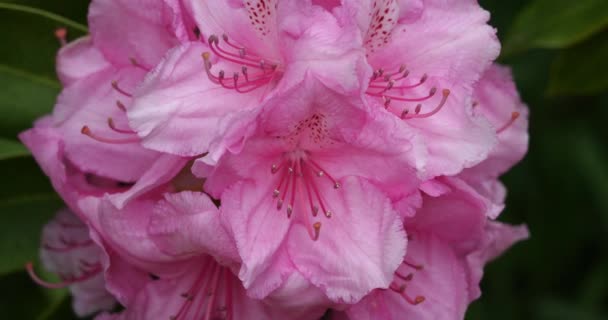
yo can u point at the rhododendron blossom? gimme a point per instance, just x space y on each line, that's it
279 159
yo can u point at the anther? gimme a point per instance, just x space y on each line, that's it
509 123
289 210
112 126
137 64
121 91
213 39
413 266
61 34
121 106
317 230
444 99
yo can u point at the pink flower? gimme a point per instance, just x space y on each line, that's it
496 98
426 56
180 242
450 242
68 251
86 146
202 98
311 192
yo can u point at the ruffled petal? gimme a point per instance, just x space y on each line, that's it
497 99
179 110
449 45
91 102
442 282
79 59
259 230
251 24
498 237
124 30
187 224
358 248
198 288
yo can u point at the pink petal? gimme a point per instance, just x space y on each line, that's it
91 102
498 238
164 298
187 224
179 110
258 34
358 248
79 59
125 30
497 100
259 231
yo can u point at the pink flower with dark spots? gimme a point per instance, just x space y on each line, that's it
426 57
202 98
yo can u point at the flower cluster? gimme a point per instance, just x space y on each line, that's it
279 159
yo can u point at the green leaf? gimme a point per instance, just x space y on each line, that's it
556 24
582 69
23 98
11 149
565 310
27 202
21 223
23 299
33 48
46 14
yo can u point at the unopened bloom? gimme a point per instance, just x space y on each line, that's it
68 251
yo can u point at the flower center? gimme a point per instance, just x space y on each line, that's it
393 86
301 178
202 300
253 71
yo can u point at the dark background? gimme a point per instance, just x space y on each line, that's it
558 50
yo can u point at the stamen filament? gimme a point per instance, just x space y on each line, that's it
87 131
509 123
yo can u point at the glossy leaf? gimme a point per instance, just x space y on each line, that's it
556 24
11 149
582 69
23 98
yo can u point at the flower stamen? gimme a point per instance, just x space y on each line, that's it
120 90
249 82
514 116
87 132
87 271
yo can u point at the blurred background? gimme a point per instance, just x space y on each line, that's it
558 50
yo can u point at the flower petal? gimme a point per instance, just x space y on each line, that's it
179 110
497 100
358 248
125 30
187 224
79 59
